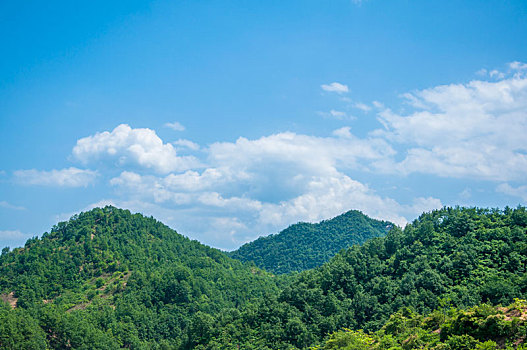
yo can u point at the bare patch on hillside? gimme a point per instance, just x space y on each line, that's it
9 298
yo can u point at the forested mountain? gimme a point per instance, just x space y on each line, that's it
108 279
304 246
455 256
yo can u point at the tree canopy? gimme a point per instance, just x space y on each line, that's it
109 279
304 246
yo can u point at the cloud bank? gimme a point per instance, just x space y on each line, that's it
474 130
227 193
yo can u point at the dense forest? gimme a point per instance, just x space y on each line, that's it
481 327
109 279
304 246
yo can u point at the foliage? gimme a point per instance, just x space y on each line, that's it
482 327
458 257
108 279
304 246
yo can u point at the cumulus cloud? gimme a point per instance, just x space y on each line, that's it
242 189
69 177
125 145
265 184
326 197
473 130
518 66
176 126
282 161
335 87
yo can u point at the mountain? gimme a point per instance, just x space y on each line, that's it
453 257
304 246
109 279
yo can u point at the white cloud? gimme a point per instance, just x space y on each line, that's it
69 177
175 126
362 106
520 191
265 184
343 132
335 87
242 189
378 105
127 146
473 130
518 66
337 114
421 205
186 144
326 197
496 74
8 205
289 154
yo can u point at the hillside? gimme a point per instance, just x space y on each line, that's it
480 327
108 279
114 279
458 257
304 246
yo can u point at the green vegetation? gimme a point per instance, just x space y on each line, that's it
304 246
463 257
481 327
108 279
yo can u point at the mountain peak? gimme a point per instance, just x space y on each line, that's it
305 245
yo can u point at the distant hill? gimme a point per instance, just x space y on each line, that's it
304 246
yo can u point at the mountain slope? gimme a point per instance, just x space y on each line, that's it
108 279
147 282
458 257
481 327
304 246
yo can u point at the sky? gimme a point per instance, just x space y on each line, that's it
229 120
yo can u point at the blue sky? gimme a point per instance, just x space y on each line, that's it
228 120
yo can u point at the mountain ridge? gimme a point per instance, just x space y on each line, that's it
109 279
303 246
